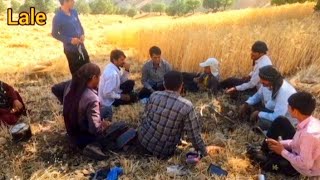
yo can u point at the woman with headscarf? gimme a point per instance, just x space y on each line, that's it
11 105
273 94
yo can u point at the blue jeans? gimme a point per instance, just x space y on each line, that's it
106 112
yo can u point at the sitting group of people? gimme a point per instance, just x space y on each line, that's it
285 116
274 107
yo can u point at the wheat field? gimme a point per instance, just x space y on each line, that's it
31 60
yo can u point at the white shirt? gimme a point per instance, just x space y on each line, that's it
109 87
255 79
279 105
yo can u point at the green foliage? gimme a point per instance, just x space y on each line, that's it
46 6
217 4
226 3
192 5
2 7
15 5
26 6
122 11
82 7
281 2
132 12
158 7
147 8
102 7
177 7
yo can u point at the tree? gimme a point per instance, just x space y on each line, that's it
50 6
2 7
158 7
226 3
26 6
82 7
132 12
211 4
15 5
102 7
192 5
177 7
122 11
147 8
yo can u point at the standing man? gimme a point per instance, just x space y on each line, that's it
67 28
153 72
115 88
252 82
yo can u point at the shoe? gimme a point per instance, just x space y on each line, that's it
94 151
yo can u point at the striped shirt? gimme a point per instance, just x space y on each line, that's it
167 116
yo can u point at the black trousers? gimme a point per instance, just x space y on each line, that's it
76 60
127 88
280 127
146 93
59 89
232 82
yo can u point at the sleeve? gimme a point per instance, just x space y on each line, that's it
145 77
82 31
94 119
304 159
286 144
201 77
169 68
11 93
193 131
124 76
256 98
280 109
56 28
109 86
254 80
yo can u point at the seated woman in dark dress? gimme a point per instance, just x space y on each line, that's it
11 105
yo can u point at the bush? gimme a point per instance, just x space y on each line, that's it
102 7
158 7
26 6
281 2
147 8
46 6
15 5
132 12
192 5
177 7
82 7
122 11
2 7
211 4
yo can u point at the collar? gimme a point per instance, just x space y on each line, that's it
304 123
116 68
160 64
172 92
260 59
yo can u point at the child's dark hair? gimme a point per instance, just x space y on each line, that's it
154 50
304 102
